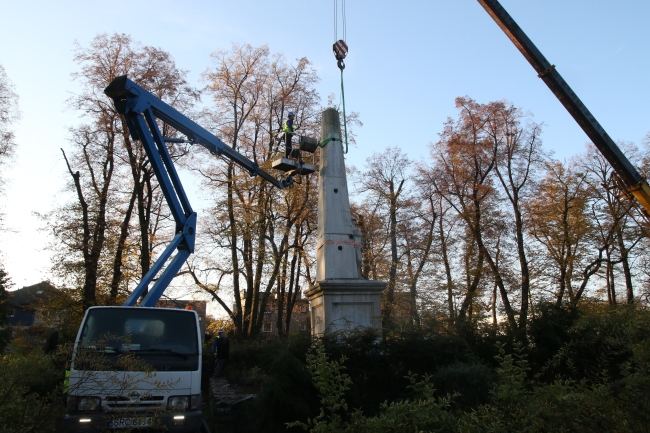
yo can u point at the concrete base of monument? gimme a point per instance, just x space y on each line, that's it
345 304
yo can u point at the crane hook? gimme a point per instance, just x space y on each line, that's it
340 51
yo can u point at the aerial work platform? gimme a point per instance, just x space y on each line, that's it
292 166
298 166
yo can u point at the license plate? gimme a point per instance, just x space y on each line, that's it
136 422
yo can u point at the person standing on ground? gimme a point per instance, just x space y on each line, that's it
288 130
221 348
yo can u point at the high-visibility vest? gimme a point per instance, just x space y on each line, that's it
285 128
66 382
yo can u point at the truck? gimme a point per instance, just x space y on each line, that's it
136 366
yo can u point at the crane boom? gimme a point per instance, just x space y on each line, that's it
141 109
629 175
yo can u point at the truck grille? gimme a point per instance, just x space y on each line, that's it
126 402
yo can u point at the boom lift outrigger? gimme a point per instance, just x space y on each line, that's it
141 109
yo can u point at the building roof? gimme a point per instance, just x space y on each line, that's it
29 294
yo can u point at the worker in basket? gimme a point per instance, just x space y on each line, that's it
288 130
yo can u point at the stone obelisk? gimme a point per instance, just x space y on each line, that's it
340 299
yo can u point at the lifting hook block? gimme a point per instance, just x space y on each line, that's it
340 51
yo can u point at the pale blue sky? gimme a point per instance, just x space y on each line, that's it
407 63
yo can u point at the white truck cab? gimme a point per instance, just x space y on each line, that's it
136 368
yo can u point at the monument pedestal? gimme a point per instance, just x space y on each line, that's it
345 304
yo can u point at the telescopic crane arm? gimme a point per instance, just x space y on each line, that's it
141 109
630 177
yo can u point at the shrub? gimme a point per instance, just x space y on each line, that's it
31 397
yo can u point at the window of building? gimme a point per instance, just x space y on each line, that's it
267 327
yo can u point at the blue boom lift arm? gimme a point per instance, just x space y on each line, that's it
141 109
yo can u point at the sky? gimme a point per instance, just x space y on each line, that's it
407 63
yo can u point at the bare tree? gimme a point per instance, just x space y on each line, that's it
615 212
371 223
259 226
418 232
463 175
9 115
517 151
565 225
384 182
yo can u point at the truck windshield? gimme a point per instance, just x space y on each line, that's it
163 337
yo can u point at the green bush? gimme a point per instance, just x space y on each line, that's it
276 371
585 369
335 416
31 398
595 378
470 382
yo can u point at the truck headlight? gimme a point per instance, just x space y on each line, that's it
178 402
89 403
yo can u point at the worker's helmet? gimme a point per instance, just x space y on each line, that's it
291 113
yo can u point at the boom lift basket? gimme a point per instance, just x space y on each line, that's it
297 166
292 166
